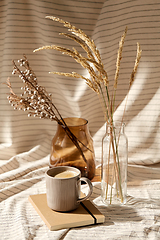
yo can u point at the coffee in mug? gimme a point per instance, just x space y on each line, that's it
65 174
63 188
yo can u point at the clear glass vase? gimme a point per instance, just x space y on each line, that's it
114 164
65 153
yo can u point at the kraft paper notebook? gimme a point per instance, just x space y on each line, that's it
85 214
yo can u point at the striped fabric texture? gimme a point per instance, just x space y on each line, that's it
25 142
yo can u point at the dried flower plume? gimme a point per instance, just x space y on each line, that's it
119 57
93 63
36 100
139 52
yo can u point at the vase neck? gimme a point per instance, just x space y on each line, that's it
116 127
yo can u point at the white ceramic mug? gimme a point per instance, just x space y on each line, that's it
63 188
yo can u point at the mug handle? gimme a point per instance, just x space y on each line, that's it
90 188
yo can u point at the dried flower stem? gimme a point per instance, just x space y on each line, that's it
79 33
119 58
138 57
98 74
98 77
37 100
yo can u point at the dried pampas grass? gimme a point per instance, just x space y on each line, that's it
93 64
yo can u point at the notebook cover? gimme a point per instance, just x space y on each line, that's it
85 214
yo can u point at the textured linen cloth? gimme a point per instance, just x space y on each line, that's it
25 142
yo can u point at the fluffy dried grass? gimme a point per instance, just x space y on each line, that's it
93 64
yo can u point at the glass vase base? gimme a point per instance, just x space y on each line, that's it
110 195
114 201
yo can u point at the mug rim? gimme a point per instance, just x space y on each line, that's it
65 168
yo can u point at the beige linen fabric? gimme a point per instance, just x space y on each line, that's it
25 142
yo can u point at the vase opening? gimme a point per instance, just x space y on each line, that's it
75 122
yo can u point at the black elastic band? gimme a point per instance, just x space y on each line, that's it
95 220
